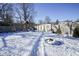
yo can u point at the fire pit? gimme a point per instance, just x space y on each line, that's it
54 42
57 43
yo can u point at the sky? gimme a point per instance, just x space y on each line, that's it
61 11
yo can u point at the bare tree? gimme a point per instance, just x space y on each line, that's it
47 20
2 10
24 13
19 14
27 12
6 13
41 22
6 16
57 21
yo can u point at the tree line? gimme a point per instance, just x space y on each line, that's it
17 15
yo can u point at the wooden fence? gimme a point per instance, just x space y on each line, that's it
10 28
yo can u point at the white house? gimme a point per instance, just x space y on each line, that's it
53 27
43 27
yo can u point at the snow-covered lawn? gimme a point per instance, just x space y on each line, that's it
36 44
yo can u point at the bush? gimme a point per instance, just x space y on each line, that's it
59 30
76 32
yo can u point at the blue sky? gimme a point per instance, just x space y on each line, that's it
57 11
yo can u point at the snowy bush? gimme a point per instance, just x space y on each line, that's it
59 30
76 32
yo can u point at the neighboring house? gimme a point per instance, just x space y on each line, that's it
43 27
65 29
46 27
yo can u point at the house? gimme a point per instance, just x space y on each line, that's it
65 29
46 27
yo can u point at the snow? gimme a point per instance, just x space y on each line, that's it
37 44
